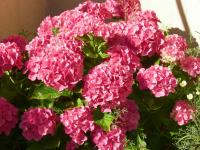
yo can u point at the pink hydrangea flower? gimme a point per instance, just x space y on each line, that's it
182 112
144 34
124 56
8 116
123 8
95 9
191 65
107 85
77 22
141 34
77 122
18 39
173 49
10 56
58 64
38 122
159 80
71 145
129 116
112 140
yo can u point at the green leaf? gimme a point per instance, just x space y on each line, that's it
104 55
104 120
42 92
55 31
79 102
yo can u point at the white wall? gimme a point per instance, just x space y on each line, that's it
168 13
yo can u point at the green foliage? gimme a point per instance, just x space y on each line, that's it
94 50
104 120
42 92
55 31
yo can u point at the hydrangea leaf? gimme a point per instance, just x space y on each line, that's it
55 31
104 120
42 92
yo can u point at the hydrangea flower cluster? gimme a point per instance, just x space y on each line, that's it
8 116
123 8
182 112
59 64
18 39
191 65
124 56
159 80
38 122
141 34
173 49
77 122
107 85
129 117
112 140
10 56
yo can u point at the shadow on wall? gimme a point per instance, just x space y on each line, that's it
191 41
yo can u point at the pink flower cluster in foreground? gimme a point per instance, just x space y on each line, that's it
173 49
77 122
112 140
18 39
10 56
38 122
182 112
8 116
159 80
107 85
191 65
59 64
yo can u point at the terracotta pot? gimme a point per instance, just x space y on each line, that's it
18 15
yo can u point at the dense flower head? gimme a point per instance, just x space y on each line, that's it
48 25
141 34
18 39
10 56
182 112
159 80
77 122
107 85
38 122
78 22
173 49
124 56
144 34
58 64
111 140
8 116
123 8
95 9
191 65
129 116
